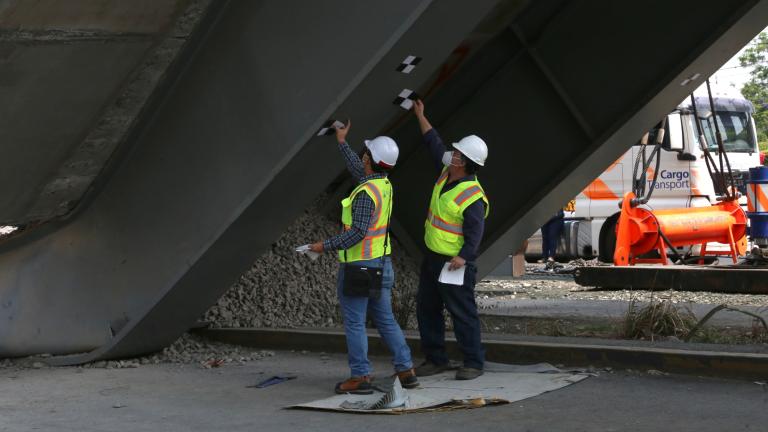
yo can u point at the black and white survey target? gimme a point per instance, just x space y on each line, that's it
409 64
405 99
329 127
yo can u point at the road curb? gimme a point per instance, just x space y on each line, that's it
704 363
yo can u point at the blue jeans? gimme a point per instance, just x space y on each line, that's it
353 310
432 297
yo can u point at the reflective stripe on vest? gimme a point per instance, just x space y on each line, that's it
443 225
372 245
467 194
443 229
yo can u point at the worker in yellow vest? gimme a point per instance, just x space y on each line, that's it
364 242
452 234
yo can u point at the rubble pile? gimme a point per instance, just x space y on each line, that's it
287 289
193 349
188 349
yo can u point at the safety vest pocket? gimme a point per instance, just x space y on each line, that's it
346 212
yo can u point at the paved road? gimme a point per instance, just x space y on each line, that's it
188 398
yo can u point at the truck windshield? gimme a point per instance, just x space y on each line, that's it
735 129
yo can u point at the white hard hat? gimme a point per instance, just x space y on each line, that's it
384 151
474 148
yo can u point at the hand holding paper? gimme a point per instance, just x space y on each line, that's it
305 250
452 277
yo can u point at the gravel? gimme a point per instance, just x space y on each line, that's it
188 349
194 349
539 284
286 289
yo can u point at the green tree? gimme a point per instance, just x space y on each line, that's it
756 89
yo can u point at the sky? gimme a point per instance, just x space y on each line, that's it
731 75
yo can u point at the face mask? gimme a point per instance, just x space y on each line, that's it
448 159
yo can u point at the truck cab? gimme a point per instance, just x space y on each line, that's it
683 179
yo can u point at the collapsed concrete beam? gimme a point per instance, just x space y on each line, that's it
223 161
227 154
559 95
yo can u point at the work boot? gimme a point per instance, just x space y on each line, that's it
428 368
468 373
408 378
355 385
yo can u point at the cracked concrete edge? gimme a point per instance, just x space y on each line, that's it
48 36
688 362
65 190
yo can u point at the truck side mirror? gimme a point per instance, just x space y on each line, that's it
675 128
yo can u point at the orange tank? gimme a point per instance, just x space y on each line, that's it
638 230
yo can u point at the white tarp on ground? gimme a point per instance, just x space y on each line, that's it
499 384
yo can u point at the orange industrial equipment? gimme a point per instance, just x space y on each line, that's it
641 230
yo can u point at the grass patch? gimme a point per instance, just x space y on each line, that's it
657 319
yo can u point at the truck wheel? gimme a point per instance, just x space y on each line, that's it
607 240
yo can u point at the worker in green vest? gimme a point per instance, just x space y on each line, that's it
364 242
452 234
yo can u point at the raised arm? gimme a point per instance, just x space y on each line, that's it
432 139
418 109
354 164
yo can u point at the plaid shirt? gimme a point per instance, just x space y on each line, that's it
362 206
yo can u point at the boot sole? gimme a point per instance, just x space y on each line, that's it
409 386
467 378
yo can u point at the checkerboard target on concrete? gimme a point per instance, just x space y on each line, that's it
405 99
408 64
329 127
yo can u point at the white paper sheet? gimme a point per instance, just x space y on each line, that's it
304 250
452 277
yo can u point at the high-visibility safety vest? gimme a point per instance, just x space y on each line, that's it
372 245
443 230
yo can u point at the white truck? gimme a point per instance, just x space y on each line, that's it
683 179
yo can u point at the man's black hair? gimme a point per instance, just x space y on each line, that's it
374 166
470 166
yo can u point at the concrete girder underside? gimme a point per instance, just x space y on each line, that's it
561 94
73 75
225 157
218 168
